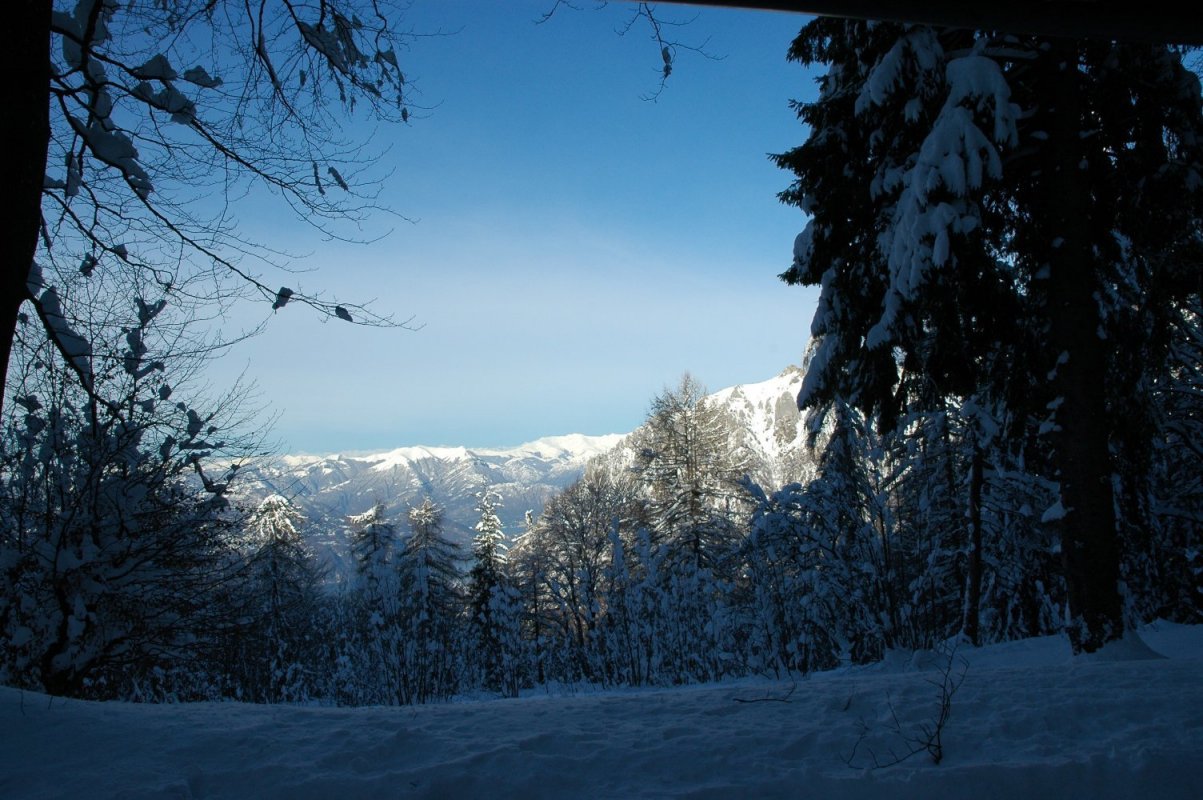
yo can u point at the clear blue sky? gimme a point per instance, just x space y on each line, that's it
575 247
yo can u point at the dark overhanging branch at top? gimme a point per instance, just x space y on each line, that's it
1080 19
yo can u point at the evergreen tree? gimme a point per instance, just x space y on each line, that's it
286 584
378 650
792 613
529 561
849 511
1165 570
430 601
373 546
491 616
691 475
932 456
977 201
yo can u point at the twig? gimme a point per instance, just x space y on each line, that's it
927 737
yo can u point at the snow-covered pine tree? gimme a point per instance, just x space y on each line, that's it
529 560
373 546
429 584
935 497
494 620
1164 572
973 198
790 615
691 474
378 649
513 663
848 511
649 605
617 636
286 586
1022 592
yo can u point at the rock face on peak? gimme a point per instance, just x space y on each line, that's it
762 420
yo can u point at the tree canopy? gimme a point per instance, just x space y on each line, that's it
1007 222
143 124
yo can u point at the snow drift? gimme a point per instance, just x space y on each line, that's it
1028 721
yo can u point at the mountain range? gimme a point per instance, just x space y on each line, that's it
761 418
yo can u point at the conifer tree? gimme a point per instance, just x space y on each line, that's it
380 665
978 203
430 601
493 617
373 546
529 562
690 473
286 582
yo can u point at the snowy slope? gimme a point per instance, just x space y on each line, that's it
1028 722
765 422
768 410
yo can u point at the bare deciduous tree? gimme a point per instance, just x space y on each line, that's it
141 126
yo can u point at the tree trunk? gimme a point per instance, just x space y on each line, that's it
1089 538
27 107
971 625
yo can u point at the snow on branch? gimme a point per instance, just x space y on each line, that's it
935 202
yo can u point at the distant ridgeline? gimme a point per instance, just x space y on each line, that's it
761 420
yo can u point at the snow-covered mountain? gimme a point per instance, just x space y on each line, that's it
764 421
328 489
764 428
762 418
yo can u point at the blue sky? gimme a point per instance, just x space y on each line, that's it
574 248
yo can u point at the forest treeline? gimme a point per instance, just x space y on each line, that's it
663 564
1004 387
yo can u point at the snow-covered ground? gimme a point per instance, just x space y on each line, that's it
1028 722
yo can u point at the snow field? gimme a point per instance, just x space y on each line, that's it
1027 722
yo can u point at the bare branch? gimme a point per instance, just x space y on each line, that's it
132 99
545 16
668 46
926 736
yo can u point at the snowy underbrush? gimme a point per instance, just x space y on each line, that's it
1027 720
